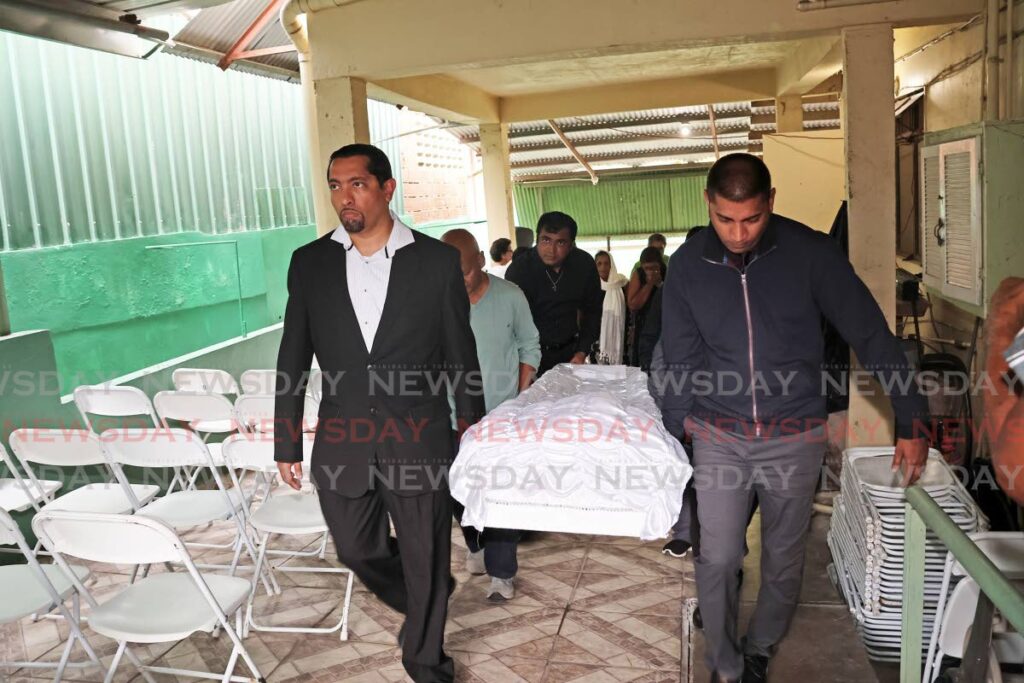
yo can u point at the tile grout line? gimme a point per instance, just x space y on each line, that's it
565 611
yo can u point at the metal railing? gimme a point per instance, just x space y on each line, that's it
923 513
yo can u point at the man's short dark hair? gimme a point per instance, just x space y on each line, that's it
377 162
499 247
656 237
739 177
556 221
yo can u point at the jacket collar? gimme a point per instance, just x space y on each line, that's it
714 250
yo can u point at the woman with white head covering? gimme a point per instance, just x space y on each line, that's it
613 314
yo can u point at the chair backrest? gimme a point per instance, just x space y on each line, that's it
958 618
207 380
1004 548
155 447
256 451
109 538
112 401
249 451
258 382
191 406
57 447
256 412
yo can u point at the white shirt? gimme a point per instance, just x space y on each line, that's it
368 276
498 269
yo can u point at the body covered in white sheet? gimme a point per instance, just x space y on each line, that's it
583 450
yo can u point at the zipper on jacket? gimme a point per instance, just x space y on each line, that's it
750 352
750 331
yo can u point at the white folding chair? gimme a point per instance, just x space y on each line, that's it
107 400
121 402
286 514
206 380
255 413
15 496
180 510
32 588
258 382
1006 551
73 448
161 608
956 626
203 413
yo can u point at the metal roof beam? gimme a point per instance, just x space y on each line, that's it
268 14
572 150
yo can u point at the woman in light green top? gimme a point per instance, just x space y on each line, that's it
508 347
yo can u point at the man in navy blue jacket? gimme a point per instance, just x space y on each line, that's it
741 331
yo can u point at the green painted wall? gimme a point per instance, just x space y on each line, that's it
636 206
116 307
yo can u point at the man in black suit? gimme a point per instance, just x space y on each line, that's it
386 312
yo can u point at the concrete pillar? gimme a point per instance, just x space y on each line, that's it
789 114
497 176
869 129
339 117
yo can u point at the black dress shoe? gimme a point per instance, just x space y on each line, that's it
676 548
755 669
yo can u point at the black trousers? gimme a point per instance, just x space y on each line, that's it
500 546
409 573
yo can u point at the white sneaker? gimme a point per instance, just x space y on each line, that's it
501 590
475 563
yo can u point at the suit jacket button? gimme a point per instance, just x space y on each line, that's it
373 411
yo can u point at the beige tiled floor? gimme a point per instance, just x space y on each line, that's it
587 609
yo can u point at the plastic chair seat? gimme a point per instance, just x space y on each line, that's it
13 498
295 513
166 607
185 509
103 498
24 595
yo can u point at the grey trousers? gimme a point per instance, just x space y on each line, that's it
729 470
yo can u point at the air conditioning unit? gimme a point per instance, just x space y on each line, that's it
972 211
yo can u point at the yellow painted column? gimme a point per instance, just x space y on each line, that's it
497 174
339 116
869 129
789 114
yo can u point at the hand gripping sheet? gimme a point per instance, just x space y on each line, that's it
583 450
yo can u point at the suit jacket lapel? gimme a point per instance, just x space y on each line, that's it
404 275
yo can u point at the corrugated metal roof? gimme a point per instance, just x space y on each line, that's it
216 29
674 137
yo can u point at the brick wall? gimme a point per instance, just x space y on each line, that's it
436 172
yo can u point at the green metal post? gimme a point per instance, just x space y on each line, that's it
1004 595
913 596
